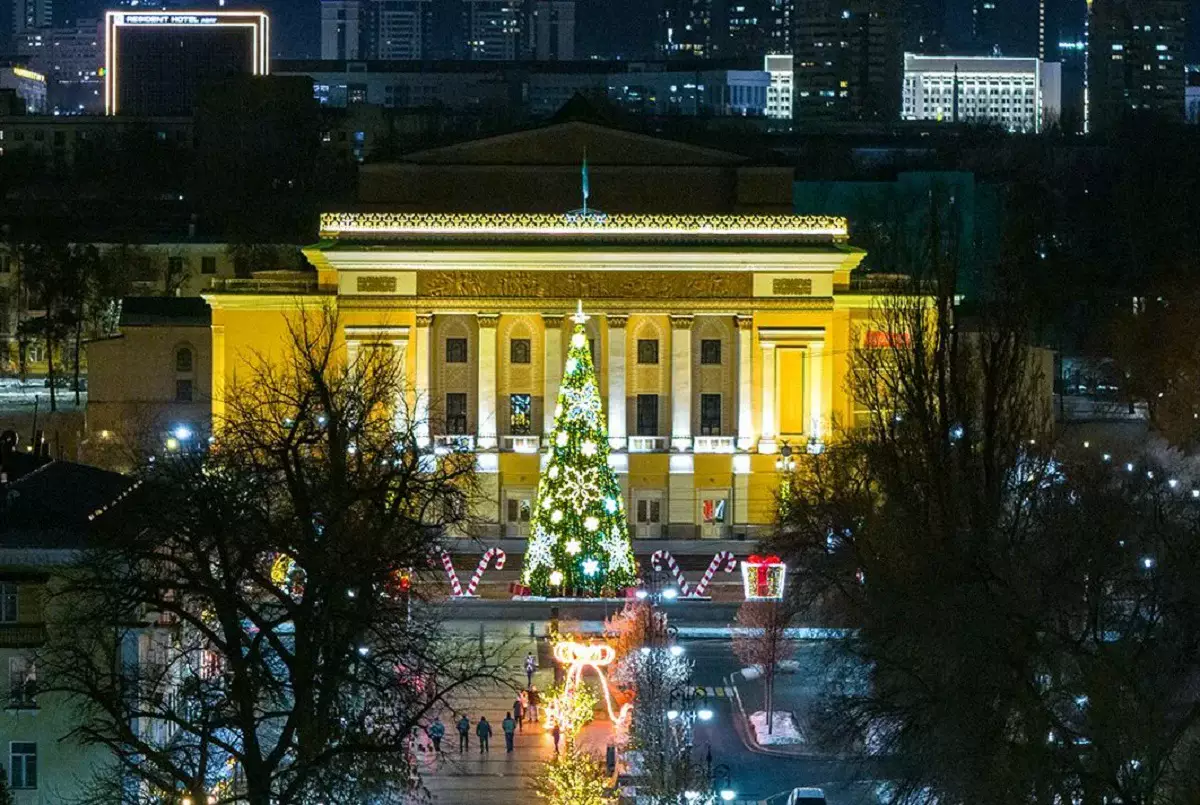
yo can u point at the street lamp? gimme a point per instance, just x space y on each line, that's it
705 714
728 794
785 462
670 594
676 650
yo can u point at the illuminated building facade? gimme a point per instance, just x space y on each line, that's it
71 58
1019 95
780 93
29 86
156 62
687 29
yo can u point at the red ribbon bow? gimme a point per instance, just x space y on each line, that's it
761 564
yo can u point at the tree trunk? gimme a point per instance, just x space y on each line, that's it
50 364
770 687
78 339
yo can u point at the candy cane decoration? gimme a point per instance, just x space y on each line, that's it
455 586
483 563
656 561
730 565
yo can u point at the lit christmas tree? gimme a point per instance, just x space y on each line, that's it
580 535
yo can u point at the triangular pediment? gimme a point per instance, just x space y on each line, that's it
560 144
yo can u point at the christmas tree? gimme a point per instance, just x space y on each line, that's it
580 535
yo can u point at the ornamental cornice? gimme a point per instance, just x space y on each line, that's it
488 321
424 319
681 321
553 319
745 321
617 321
726 306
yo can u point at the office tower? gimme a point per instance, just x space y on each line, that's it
1135 59
1009 27
1019 95
552 30
780 23
750 30
688 29
343 29
495 29
780 100
28 15
70 58
848 59
156 62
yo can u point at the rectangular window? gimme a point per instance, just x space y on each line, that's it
647 413
208 265
710 352
520 414
649 511
519 510
456 413
518 350
710 414
8 602
647 350
5 264
22 682
22 765
456 350
183 391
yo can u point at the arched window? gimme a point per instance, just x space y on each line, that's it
183 360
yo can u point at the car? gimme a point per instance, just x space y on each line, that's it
806 796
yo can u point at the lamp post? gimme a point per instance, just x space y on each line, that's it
785 462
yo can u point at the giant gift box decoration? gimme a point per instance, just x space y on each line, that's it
763 577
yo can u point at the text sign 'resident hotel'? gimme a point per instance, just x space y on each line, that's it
156 62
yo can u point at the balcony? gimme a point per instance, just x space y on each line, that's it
454 443
713 444
647 444
22 635
522 444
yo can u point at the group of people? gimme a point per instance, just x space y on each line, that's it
525 706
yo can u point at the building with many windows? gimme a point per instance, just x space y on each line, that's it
495 29
28 86
375 29
552 30
72 59
1019 95
1135 59
780 92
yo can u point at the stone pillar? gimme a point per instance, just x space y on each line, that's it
617 436
745 409
770 426
218 376
552 331
421 389
816 395
681 383
486 416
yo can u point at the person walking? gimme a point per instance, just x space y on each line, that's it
557 733
525 713
464 734
518 713
535 701
509 726
436 732
530 667
483 730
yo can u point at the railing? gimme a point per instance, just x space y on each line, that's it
459 442
647 444
280 285
522 444
713 444
22 635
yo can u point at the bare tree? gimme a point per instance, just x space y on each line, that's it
762 642
242 629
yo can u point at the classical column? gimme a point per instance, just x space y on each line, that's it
745 426
552 330
218 376
681 382
816 398
421 390
769 429
616 380
486 418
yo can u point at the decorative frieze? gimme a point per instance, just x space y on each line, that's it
584 284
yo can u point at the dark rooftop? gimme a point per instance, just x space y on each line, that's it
57 506
159 311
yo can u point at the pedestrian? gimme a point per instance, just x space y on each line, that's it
509 726
484 731
556 732
524 697
530 667
518 713
464 731
437 731
535 702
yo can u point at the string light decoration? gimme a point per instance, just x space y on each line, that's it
579 540
763 578
578 657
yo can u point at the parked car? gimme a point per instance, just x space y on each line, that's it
806 796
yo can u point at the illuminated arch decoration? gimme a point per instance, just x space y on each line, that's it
577 657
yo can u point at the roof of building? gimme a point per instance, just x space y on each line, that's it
161 311
57 506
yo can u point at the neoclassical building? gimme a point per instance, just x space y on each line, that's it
718 341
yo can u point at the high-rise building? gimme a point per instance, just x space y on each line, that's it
1019 95
780 22
71 58
495 29
750 28
848 59
155 63
343 29
688 29
1135 59
780 98
28 15
1015 28
552 30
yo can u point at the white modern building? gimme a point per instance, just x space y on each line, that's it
1020 95
780 91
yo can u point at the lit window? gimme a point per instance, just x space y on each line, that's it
22 682
520 415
